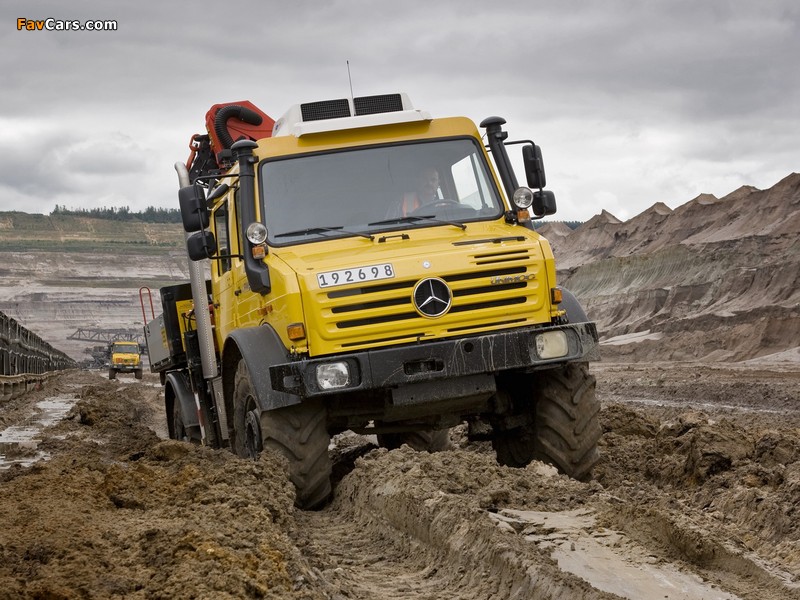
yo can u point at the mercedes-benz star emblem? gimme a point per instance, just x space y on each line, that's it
432 297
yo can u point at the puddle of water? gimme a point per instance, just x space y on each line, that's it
19 443
606 559
701 405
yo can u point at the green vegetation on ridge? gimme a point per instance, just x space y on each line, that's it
149 215
73 233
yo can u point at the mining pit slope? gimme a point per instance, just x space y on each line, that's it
716 279
65 273
696 494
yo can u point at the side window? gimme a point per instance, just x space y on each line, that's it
223 238
470 187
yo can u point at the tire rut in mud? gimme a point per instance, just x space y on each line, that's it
392 532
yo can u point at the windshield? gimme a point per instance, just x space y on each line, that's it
122 348
369 190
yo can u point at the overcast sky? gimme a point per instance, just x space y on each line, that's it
633 103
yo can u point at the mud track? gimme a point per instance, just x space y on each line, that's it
696 496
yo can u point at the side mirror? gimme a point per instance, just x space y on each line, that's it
534 166
544 203
201 245
194 213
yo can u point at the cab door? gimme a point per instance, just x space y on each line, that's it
223 220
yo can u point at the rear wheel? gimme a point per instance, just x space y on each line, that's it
138 373
565 428
181 432
426 440
112 374
298 432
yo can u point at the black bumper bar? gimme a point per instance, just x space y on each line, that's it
510 350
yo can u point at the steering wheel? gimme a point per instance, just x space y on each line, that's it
443 203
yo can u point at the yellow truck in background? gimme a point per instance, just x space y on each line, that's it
330 292
124 357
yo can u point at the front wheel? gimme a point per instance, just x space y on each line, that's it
246 440
565 428
298 432
112 374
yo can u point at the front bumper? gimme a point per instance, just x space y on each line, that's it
447 360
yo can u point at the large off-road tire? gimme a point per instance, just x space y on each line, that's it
112 374
426 440
298 432
138 373
246 439
180 431
565 429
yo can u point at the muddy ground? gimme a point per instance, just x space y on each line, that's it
697 495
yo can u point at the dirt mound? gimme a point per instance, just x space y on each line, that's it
715 279
708 453
696 491
118 512
555 231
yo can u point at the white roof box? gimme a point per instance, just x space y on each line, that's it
347 113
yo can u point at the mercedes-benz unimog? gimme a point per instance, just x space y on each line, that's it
330 292
125 356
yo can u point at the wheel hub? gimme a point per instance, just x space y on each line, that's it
252 436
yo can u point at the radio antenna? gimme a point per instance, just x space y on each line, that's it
350 79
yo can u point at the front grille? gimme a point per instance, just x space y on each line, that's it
490 258
470 294
488 290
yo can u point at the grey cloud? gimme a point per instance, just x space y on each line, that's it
27 167
621 95
117 154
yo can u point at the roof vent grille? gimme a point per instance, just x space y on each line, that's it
364 105
370 105
325 109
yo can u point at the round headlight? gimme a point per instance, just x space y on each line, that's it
523 198
333 375
256 233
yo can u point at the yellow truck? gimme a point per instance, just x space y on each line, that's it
360 265
124 357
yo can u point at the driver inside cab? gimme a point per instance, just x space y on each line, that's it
426 191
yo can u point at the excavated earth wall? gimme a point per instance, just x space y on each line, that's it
63 274
714 279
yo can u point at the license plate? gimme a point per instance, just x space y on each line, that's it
355 275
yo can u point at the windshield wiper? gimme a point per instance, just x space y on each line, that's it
321 230
415 218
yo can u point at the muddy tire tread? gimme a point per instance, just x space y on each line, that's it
567 427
